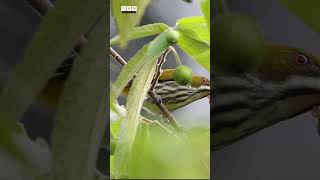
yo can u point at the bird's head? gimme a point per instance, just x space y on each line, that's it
198 81
286 84
281 63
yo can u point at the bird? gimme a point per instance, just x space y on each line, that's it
172 95
286 84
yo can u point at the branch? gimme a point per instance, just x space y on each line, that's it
152 92
155 122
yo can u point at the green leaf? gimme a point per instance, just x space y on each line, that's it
117 115
121 154
194 27
136 97
115 126
139 147
57 34
11 155
307 10
6 142
127 21
148 52
113 105
195 39
81 116
197 50
205 7
146 57
113 145
164 157
127 73
157 46
142 31
112 166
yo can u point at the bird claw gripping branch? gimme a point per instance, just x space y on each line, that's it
156 98
152 92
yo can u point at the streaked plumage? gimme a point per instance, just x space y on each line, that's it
175 96
282 87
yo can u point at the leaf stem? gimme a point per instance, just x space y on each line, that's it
178 61
117 57
155 122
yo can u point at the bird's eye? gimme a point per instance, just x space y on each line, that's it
205 81
301 59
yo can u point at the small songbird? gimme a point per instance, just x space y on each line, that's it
173 95
286 84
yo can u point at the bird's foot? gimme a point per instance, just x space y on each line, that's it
157 100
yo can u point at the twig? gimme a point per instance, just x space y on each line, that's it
148 121
117 57
155 122
152 92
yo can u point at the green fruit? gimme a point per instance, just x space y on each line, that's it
183 75
172 36
238 44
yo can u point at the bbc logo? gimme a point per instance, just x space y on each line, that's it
128 9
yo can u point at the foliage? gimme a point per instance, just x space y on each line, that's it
85 94
154 149
306 10
125 22
141 147
142 31
81 117
144 148
56 36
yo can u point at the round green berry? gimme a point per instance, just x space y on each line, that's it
238 44
183 75
172 36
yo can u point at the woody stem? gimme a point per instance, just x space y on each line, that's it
151 92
